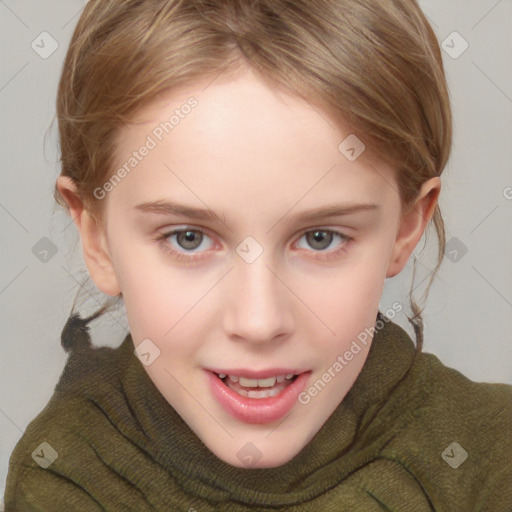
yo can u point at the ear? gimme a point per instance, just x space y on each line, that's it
94 242
412 225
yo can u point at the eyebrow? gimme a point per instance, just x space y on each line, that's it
170 208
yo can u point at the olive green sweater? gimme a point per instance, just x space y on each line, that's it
411 435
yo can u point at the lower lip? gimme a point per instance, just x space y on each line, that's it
257 410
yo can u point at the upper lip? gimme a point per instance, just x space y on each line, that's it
257 374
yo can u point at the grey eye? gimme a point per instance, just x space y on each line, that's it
319 239
189 239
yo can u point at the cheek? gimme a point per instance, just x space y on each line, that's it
349 304
154 307
346 300
355 285
162 304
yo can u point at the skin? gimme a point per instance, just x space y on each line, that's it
261 156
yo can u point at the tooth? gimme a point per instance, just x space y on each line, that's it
263 394
258 393
267 383
262 383
248 383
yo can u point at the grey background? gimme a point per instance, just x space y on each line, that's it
468 312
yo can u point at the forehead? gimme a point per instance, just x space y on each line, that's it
244 139
240 105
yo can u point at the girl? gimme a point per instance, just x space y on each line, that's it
244 176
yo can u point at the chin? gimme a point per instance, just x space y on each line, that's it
256 454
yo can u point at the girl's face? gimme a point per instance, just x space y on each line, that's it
227 266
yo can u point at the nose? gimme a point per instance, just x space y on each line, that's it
259 309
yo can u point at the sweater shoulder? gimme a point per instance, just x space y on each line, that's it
455 401
457 441
61 444
89 388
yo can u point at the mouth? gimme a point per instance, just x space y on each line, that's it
257 388
257 400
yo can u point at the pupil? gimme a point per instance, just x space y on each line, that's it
186 239
318 237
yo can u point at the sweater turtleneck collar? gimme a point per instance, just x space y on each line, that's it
349 438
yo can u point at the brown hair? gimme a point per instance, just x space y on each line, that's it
377 65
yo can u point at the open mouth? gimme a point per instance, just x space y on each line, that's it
257 400
257 388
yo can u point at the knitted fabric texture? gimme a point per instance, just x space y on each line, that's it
411 435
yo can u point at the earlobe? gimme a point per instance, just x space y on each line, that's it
94 244
412 225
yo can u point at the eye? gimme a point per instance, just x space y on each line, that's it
185 241
321 239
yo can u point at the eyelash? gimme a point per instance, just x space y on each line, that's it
178 255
